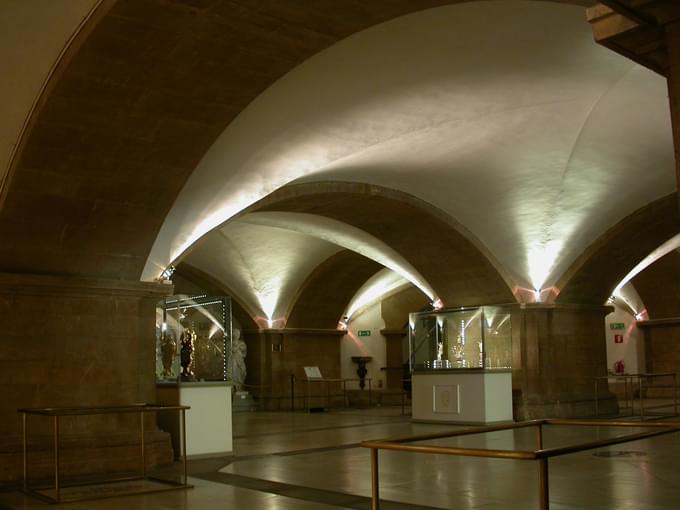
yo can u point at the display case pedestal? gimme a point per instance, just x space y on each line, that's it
472 396
209 425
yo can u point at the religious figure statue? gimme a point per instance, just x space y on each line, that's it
239 350
187 354
168 351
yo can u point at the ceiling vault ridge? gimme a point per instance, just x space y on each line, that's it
297 189
433 126
252 282
588 117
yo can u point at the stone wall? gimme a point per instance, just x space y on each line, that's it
75 342
276 355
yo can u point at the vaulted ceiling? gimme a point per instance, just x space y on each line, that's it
494 133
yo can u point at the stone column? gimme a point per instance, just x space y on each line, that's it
394 356
673 45
558 350
74 342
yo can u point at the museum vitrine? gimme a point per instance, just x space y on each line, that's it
463 338
193 339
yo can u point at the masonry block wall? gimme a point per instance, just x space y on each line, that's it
76 342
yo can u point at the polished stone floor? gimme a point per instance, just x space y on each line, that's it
313 461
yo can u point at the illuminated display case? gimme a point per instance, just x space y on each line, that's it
193 339
464 338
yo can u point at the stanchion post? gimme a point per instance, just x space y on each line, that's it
25 434
539 435
544 487
56 458
292 392
597 399
184 443
375 479
675 392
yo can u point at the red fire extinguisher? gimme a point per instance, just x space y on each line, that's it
619 367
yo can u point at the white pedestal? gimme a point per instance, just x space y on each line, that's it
209 430
462 396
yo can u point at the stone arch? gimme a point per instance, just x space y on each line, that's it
396 307
659 287
120 110
460 269
208 284
593 276
325 294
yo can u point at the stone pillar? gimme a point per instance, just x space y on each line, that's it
673 45
258 364
75 342
662 353
558 350
394 357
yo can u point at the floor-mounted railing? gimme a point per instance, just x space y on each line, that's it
631 382
540 454
55 492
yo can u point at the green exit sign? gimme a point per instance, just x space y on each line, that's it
364 332
617 325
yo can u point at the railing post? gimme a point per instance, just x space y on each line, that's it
675 392
544 486
57 489
375 479
642 403
539 435
184 444
292 392
25 451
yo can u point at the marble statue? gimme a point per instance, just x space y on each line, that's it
239 350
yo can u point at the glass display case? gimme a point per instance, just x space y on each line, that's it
461 338
193 339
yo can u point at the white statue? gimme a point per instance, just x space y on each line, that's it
239 350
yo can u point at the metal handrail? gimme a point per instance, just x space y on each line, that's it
540 454
342 381
92 410
642 378
58 412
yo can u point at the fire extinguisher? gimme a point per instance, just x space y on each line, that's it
619 367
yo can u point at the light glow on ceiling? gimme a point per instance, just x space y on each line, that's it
268 295
672 244
376 287
541 258
346 236
516 145
628 298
